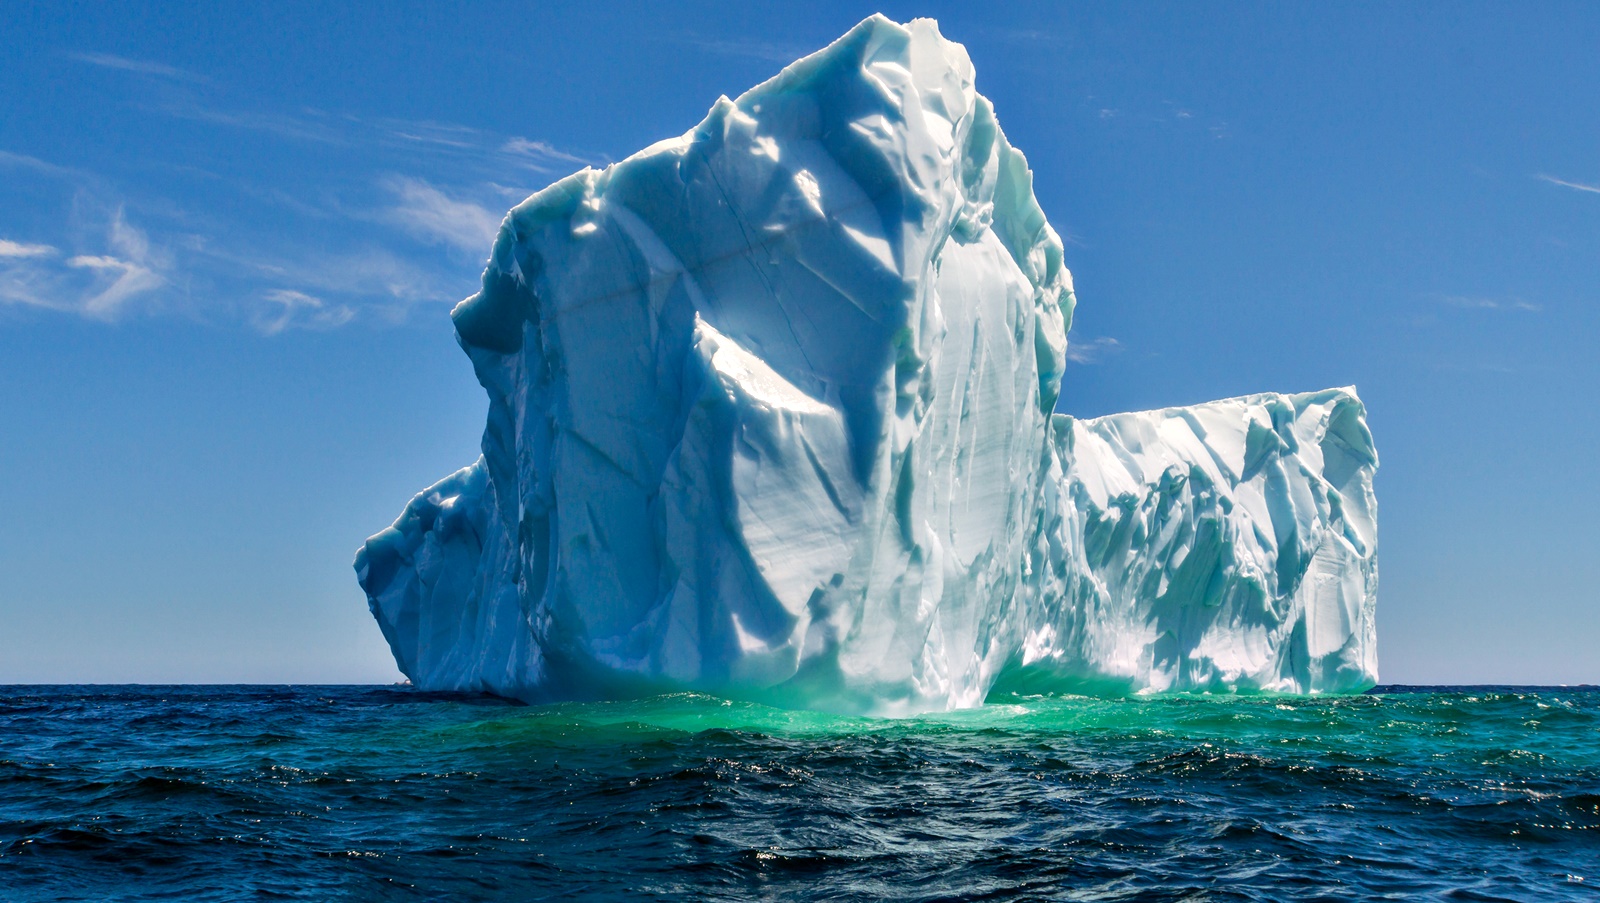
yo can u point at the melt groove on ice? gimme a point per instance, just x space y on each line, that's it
770 417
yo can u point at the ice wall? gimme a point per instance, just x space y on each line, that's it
1225 546
770 416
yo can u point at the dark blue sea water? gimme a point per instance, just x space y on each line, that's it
365 793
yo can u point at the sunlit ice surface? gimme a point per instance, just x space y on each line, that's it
772 416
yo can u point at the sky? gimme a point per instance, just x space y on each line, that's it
231 235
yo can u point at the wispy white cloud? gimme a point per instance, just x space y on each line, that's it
293 286
509 193
1022 36
442 134
1180 118
17 249
383 278
1472 302
97 285
288 309
141 67
1575 186
431 215
540 155
23 281
126 279
466 147
308 127
207 262
370 276
127 272
1092 351
767 51
10 160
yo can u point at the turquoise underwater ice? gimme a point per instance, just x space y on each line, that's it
771 416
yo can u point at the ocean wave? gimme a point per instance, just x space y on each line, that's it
382 793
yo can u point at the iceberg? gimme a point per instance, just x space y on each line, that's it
772 416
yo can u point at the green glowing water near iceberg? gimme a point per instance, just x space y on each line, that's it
315 793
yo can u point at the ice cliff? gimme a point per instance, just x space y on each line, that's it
770 416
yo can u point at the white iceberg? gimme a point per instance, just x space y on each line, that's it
771 417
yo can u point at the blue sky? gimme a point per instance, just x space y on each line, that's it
230 236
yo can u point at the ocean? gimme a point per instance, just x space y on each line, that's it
200 793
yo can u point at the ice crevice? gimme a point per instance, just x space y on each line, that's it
772 417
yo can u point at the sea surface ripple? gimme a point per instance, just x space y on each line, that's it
384 793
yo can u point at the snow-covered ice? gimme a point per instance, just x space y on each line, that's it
770 416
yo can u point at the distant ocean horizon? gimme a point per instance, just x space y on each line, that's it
319 792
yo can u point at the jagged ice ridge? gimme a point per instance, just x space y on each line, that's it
770 416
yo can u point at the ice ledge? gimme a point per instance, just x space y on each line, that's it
1228 546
